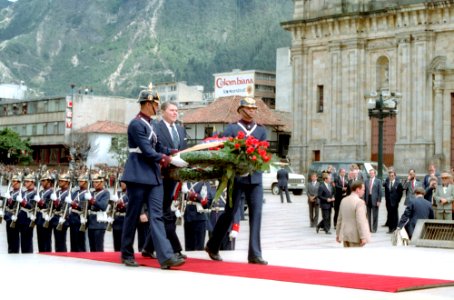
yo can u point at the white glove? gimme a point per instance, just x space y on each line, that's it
7 195
178 213
87 196
204 192
36 198
114 197
177 161
68 200
19 198
184 188
233 234
53 196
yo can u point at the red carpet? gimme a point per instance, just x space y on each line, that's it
287 274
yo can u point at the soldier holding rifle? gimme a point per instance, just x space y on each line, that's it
119 212
97 218
23 217
13 200
59 222
44 204
78 205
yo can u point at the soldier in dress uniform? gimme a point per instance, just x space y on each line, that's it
14 198
119 216
97 218
142 175
61 204
44 234
200 196
79 198
250 185
23 219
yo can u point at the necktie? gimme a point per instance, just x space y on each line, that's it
413 184
371 185
175 139
342 181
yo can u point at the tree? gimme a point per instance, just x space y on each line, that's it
13 149
119 148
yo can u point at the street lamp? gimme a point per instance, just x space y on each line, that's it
381 105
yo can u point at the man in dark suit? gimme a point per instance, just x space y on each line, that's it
171 138
373 199
326 197
250 185
393 193
142 175
312 200
417 208
282 183
341 190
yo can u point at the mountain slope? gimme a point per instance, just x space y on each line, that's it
114 46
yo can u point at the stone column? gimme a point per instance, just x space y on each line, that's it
338 113
438 114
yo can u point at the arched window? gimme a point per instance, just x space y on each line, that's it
382 73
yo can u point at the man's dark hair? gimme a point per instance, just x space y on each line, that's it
356 184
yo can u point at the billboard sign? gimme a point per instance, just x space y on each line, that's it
234 85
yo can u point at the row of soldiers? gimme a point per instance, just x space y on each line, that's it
56 203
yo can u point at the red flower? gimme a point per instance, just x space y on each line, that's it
237 146
241 135
249 150
254 158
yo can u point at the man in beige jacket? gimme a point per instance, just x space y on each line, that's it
352 226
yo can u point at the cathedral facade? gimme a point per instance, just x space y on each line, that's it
344 49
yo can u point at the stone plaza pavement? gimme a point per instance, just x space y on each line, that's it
287 240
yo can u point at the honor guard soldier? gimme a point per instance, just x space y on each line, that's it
79 206
97 218
250 185
200 196
142 175
119 216
14 198
61 210
44 233
25 214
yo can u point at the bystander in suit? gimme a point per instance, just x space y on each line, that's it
312 199
352 228
282 183
326 197
373 197
393 195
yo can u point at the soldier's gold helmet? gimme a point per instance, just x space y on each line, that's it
247 102
64 177
83 177
16 178
30 177
46 176
149 95
98 177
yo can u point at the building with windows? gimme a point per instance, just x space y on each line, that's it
52 123
181 93
250 83
344 49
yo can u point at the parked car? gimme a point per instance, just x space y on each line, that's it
364 166
296 182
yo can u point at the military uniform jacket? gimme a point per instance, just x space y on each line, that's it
23 217
58 210
142 165
45 196
101 201
120 213
77 196
191 214
10 204
257 131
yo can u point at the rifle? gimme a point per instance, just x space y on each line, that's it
35 207
3 201
84 215
48 216
68 201
112 207
16 208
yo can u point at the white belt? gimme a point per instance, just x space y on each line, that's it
135 150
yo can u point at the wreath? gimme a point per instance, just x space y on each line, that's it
233 156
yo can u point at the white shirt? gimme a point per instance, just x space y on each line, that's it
169 127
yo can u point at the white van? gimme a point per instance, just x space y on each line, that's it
296 182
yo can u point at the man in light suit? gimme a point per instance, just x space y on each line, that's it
171 138
352 227
373 199
326 198
443 198
393 194
312 200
